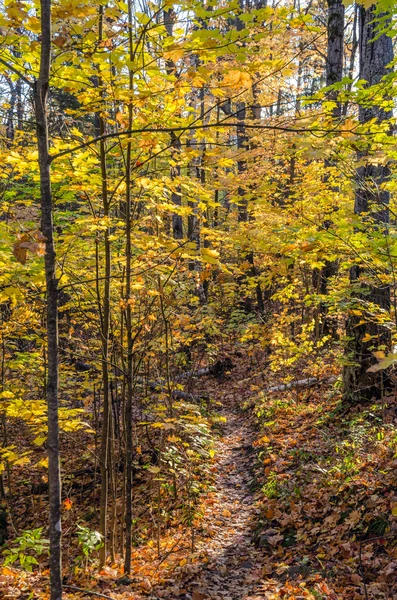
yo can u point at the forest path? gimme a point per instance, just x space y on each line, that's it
230 567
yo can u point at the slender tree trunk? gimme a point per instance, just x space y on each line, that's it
371 201
10 126
18 88
242 142
176 196
334 74
335 29
40 104
242 146
105 330
129 382
196 172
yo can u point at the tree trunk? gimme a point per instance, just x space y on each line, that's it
335 32
242 142
176 196
40 104
353 52
376 52
130 340
105 329
334 74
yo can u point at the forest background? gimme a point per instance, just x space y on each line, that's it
189 186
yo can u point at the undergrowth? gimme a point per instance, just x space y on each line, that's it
328 491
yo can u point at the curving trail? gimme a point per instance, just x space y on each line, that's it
230 566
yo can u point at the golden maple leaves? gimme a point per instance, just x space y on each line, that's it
235 78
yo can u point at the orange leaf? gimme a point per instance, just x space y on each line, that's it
20 253
67 504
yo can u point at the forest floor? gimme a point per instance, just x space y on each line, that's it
305 500
303 505
230 566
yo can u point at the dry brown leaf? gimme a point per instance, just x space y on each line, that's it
197 595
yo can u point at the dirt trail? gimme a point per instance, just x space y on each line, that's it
231 566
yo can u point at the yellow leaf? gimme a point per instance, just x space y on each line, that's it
209 256
174 55
143 182
39 440
33 24
237 79
24 460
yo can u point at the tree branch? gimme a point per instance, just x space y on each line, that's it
17 72
89 592
300 383
189 127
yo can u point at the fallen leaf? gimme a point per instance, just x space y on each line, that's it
197 595
67 504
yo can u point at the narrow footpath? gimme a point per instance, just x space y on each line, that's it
231 566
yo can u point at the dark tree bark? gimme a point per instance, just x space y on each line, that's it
196 170
10 127
335 29
176 196
376 52
104 312
334 73
242 142
40 104
242 146
129 450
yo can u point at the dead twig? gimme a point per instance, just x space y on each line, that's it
74 588
360 569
